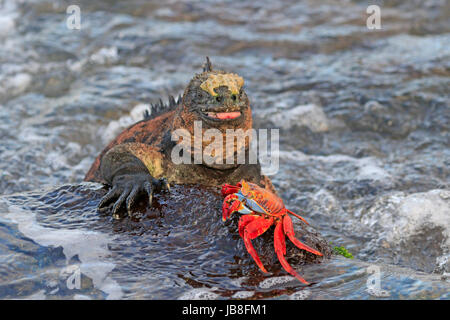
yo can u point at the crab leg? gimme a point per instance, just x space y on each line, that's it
289 231
296 215
254 229
280 249
278 239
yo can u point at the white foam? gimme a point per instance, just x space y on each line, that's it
40 295
81 297
419 209
442 264
238 281
398 217
199 294
55 160
7 24
91 248
271 282
243 294
8 15
403 215
115 127
309 115
378 293
368 168
300 295
105 55
15 84
326 200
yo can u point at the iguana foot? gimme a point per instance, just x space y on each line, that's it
127 188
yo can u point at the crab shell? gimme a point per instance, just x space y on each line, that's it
261 209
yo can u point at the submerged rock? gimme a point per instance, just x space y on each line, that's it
178 244
309 115
416 227
202 207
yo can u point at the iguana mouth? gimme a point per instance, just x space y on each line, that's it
221 114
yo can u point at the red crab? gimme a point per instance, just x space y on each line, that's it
262 209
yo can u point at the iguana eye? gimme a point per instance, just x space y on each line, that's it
233 97
218 98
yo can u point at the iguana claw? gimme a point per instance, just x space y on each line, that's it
127 188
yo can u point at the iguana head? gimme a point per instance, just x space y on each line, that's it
217 99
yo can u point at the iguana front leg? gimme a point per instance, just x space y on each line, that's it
131 169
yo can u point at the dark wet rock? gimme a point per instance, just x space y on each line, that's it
376 117
200 207
182 235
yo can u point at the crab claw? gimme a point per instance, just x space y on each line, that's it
230 205
229 189
225 210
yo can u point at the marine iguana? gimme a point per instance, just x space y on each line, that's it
138 160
